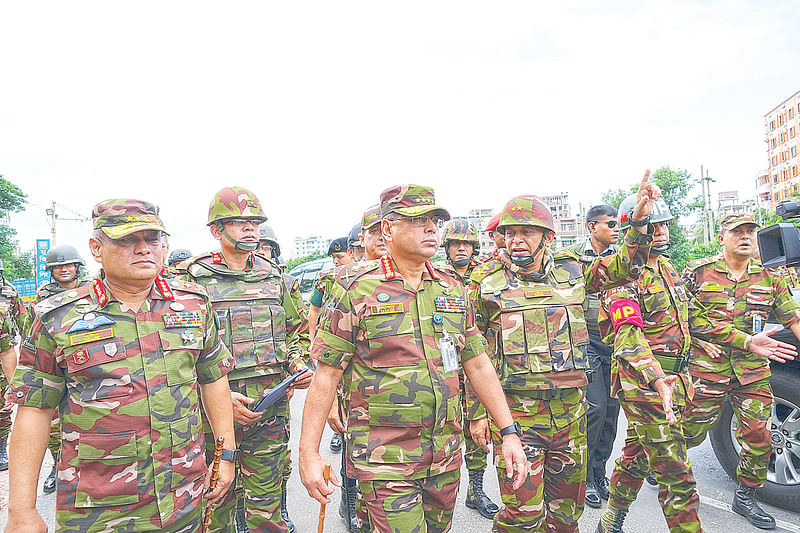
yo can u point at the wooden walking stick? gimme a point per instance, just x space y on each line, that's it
326 475
214 477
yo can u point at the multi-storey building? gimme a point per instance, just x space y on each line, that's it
728 202
570 228
782 125
308 245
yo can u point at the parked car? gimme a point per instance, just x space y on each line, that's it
308 273
783 477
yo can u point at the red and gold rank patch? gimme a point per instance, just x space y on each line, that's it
80 357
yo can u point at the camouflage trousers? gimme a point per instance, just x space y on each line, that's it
5 414
652 445
475 457
54 442
264 454
752 404
410 506
552 496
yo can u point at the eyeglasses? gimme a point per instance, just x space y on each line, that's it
420 221
241 222
611 223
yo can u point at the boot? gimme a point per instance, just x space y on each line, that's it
745 504
336 443
241 518
651 480
49 485
285 511
3 454
476 498
347 505
616 522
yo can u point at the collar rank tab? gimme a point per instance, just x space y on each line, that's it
166 292
216 257
539 293
432 271
186 319
99 292
164 272
388 269
450 305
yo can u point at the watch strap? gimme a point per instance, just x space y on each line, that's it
513 429
230 455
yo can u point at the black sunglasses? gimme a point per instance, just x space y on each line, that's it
611 223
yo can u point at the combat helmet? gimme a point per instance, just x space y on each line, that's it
526 210
64 254
461 229
176 256
235 202
267 234
660 213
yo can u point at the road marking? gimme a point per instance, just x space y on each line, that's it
786 526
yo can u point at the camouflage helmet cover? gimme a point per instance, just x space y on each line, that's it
234 202
461 229
63 255
119 217
526 210
660 213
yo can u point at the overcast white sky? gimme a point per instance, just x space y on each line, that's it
319 106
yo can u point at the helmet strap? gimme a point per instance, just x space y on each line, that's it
246 246
662 250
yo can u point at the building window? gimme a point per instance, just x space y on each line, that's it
783 157
794 171
793 151
774 160
771 125
791 132
772 142
780 120
791 113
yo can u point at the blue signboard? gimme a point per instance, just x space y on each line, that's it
42 247
26 288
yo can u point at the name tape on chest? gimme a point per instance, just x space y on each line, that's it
712 287
90 336
538 293
186 319
387 309
450 305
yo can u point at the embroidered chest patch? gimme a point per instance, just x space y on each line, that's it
538 293
387 309
90 336
186 319
80 357
450 305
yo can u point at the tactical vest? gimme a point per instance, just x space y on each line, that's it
543 328
251 315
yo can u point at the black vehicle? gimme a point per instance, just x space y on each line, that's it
783 477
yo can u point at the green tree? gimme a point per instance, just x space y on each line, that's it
12 200
291 263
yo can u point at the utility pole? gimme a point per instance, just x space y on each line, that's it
706 237
51 212
705 182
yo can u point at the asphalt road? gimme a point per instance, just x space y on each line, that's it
716 491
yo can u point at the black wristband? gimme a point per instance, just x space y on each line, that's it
514 428
638 223
230 455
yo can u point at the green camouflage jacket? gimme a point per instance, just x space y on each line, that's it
445 266
6 333
404 411
740 304
44 292
11 303
536 331
591 307
261 313
126 384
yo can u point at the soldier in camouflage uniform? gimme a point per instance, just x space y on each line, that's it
125 360
461 244
529 305
12 306
354 246
737 290
263 323
176 262
603 411
64 265
8 358
396 333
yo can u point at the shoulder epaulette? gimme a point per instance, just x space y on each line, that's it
178 284
484 270
696 263
347 274
61 299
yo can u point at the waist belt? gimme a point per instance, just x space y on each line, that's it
670 363
550 394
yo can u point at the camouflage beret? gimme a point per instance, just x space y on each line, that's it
734 220
119 217
410 201
371 217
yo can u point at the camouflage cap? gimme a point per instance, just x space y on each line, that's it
734 220
410 201
235 202
371 217
338 245
527 210
119 217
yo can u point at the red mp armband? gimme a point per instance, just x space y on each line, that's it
625 312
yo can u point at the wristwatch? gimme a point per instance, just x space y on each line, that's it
230 455
638 223
514 428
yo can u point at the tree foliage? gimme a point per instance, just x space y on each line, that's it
12 200
291 263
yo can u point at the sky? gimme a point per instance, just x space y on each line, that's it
319 106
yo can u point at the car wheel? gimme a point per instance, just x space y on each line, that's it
783 477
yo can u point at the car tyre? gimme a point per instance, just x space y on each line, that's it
782 490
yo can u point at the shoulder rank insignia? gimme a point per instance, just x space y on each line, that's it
538 293
450 305
216 257
387 309
187 319
388 269
89 321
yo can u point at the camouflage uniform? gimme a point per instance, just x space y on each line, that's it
641 355
126 384
262 318
12 307
740 373
404 433
535 326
